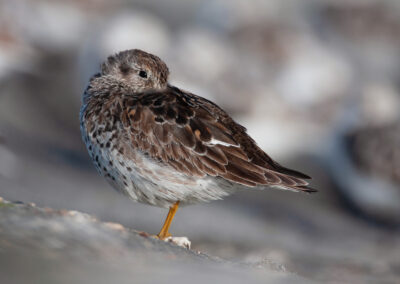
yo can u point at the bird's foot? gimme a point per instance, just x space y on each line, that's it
179 241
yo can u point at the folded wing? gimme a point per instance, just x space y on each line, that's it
196 137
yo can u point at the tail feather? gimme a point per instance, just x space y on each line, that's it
291 172
306 188
298 177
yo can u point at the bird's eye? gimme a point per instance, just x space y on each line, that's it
143 74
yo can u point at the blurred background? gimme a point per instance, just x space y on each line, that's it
317 84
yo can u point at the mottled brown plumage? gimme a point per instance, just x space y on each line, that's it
162 145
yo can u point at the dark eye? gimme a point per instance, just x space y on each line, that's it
143 74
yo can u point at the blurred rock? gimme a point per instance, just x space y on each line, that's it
367 31
132 29
317 76
380 104
48 24
9 166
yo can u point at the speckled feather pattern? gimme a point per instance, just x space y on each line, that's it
159 144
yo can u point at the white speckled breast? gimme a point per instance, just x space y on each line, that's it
145 180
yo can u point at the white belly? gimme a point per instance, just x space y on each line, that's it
155 183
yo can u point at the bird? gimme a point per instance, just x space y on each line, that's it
164 146
363 162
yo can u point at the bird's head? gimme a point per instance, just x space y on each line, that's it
138 70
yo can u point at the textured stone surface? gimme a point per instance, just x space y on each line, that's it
42 245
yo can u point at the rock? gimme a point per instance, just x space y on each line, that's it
42 245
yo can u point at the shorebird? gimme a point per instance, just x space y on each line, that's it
167 147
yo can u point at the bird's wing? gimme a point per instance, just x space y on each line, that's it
196 137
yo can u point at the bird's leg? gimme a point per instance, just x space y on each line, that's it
163 234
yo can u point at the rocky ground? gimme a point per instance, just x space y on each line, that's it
42 245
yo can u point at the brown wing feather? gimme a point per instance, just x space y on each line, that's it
198 138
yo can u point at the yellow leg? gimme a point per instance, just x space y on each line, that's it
163 234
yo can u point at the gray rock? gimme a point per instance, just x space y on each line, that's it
42 245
